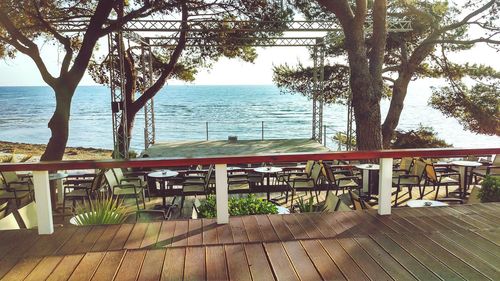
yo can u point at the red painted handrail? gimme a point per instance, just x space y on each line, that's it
247 159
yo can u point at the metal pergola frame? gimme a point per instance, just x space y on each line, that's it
131 32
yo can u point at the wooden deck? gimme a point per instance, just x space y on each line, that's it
449 243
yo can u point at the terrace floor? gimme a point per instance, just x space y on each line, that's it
442 243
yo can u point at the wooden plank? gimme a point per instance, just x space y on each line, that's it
280 263
344 262
252 228
323 263
22 269
21 249
131 265
72 244
257 261
280 227
446 257
345 221
6 264
389 222
194 266
386 261
216 263
311 230
65 268
479 241
103 243
238 230
331 220
173 266
180 233
87 266
121 237
364 225
300 261
166 234
237 264
321 225
209 231
151 235
195 236
364 261
266 228
373 224
49 244
152 265
44 268
88 242
224 234
422 224
109 265
136 236
490 235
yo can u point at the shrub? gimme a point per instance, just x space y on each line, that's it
422 137
490 191
309 206
250 205
102 210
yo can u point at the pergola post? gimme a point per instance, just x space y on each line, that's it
221 193
385 186
43 202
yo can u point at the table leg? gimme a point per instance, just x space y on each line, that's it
462 171
162 189
60 191
366 180
53 195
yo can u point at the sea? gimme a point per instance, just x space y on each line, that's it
184 112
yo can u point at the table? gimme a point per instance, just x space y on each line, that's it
268 171
370 178
55 182
162 176
425 203
463 170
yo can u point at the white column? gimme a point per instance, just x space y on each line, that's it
221 193
385 186
366 176
43 203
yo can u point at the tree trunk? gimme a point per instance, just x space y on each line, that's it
59 124
399 92
122 145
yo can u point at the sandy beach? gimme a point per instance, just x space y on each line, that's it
71 153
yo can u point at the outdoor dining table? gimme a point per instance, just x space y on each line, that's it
268 171
464 169
163 176
370 178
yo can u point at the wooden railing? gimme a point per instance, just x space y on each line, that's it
385 158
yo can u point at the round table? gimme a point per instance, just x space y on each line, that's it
163 176
463 170
425 203
370 171
268 171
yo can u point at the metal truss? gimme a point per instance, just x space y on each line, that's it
318 87
149 115
255 42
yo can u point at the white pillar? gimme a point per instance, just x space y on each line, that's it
366 176
221 193
385 186
43 203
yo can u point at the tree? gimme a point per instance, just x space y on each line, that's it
422 137
205 47
26 24
406 56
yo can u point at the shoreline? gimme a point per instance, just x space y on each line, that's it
71 153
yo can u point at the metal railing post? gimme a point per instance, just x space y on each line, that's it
221 193
385 186
43 202
324 135
206 128
262 130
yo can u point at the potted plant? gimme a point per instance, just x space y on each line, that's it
308 206
490 189
102 210
250 205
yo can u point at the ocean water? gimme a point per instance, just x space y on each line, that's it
182 113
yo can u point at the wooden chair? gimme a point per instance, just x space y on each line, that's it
124 189
28 215
9 222
410 180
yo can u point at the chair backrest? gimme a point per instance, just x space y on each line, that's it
208 176
28 215
406 163
3 209
309 166
357 203
331 202
316 172
9 222
496 160
329 175
97 181
418 168
118 174
9 177
430 172
110 178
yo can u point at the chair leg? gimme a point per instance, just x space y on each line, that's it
317 197
64 205
291 201
447 191
396 199
437 192
286 197
137 201
410 188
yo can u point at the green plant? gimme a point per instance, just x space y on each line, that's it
309 206
490 189
102 210
250 205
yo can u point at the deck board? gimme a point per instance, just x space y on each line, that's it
448 243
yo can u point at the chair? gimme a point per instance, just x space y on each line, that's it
126 190
438 180
410 180
190 188
82 191
4 207
13 182
357 202
339 180
404 167
9 222
28 215
13 195
238 182
493 169
307 183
